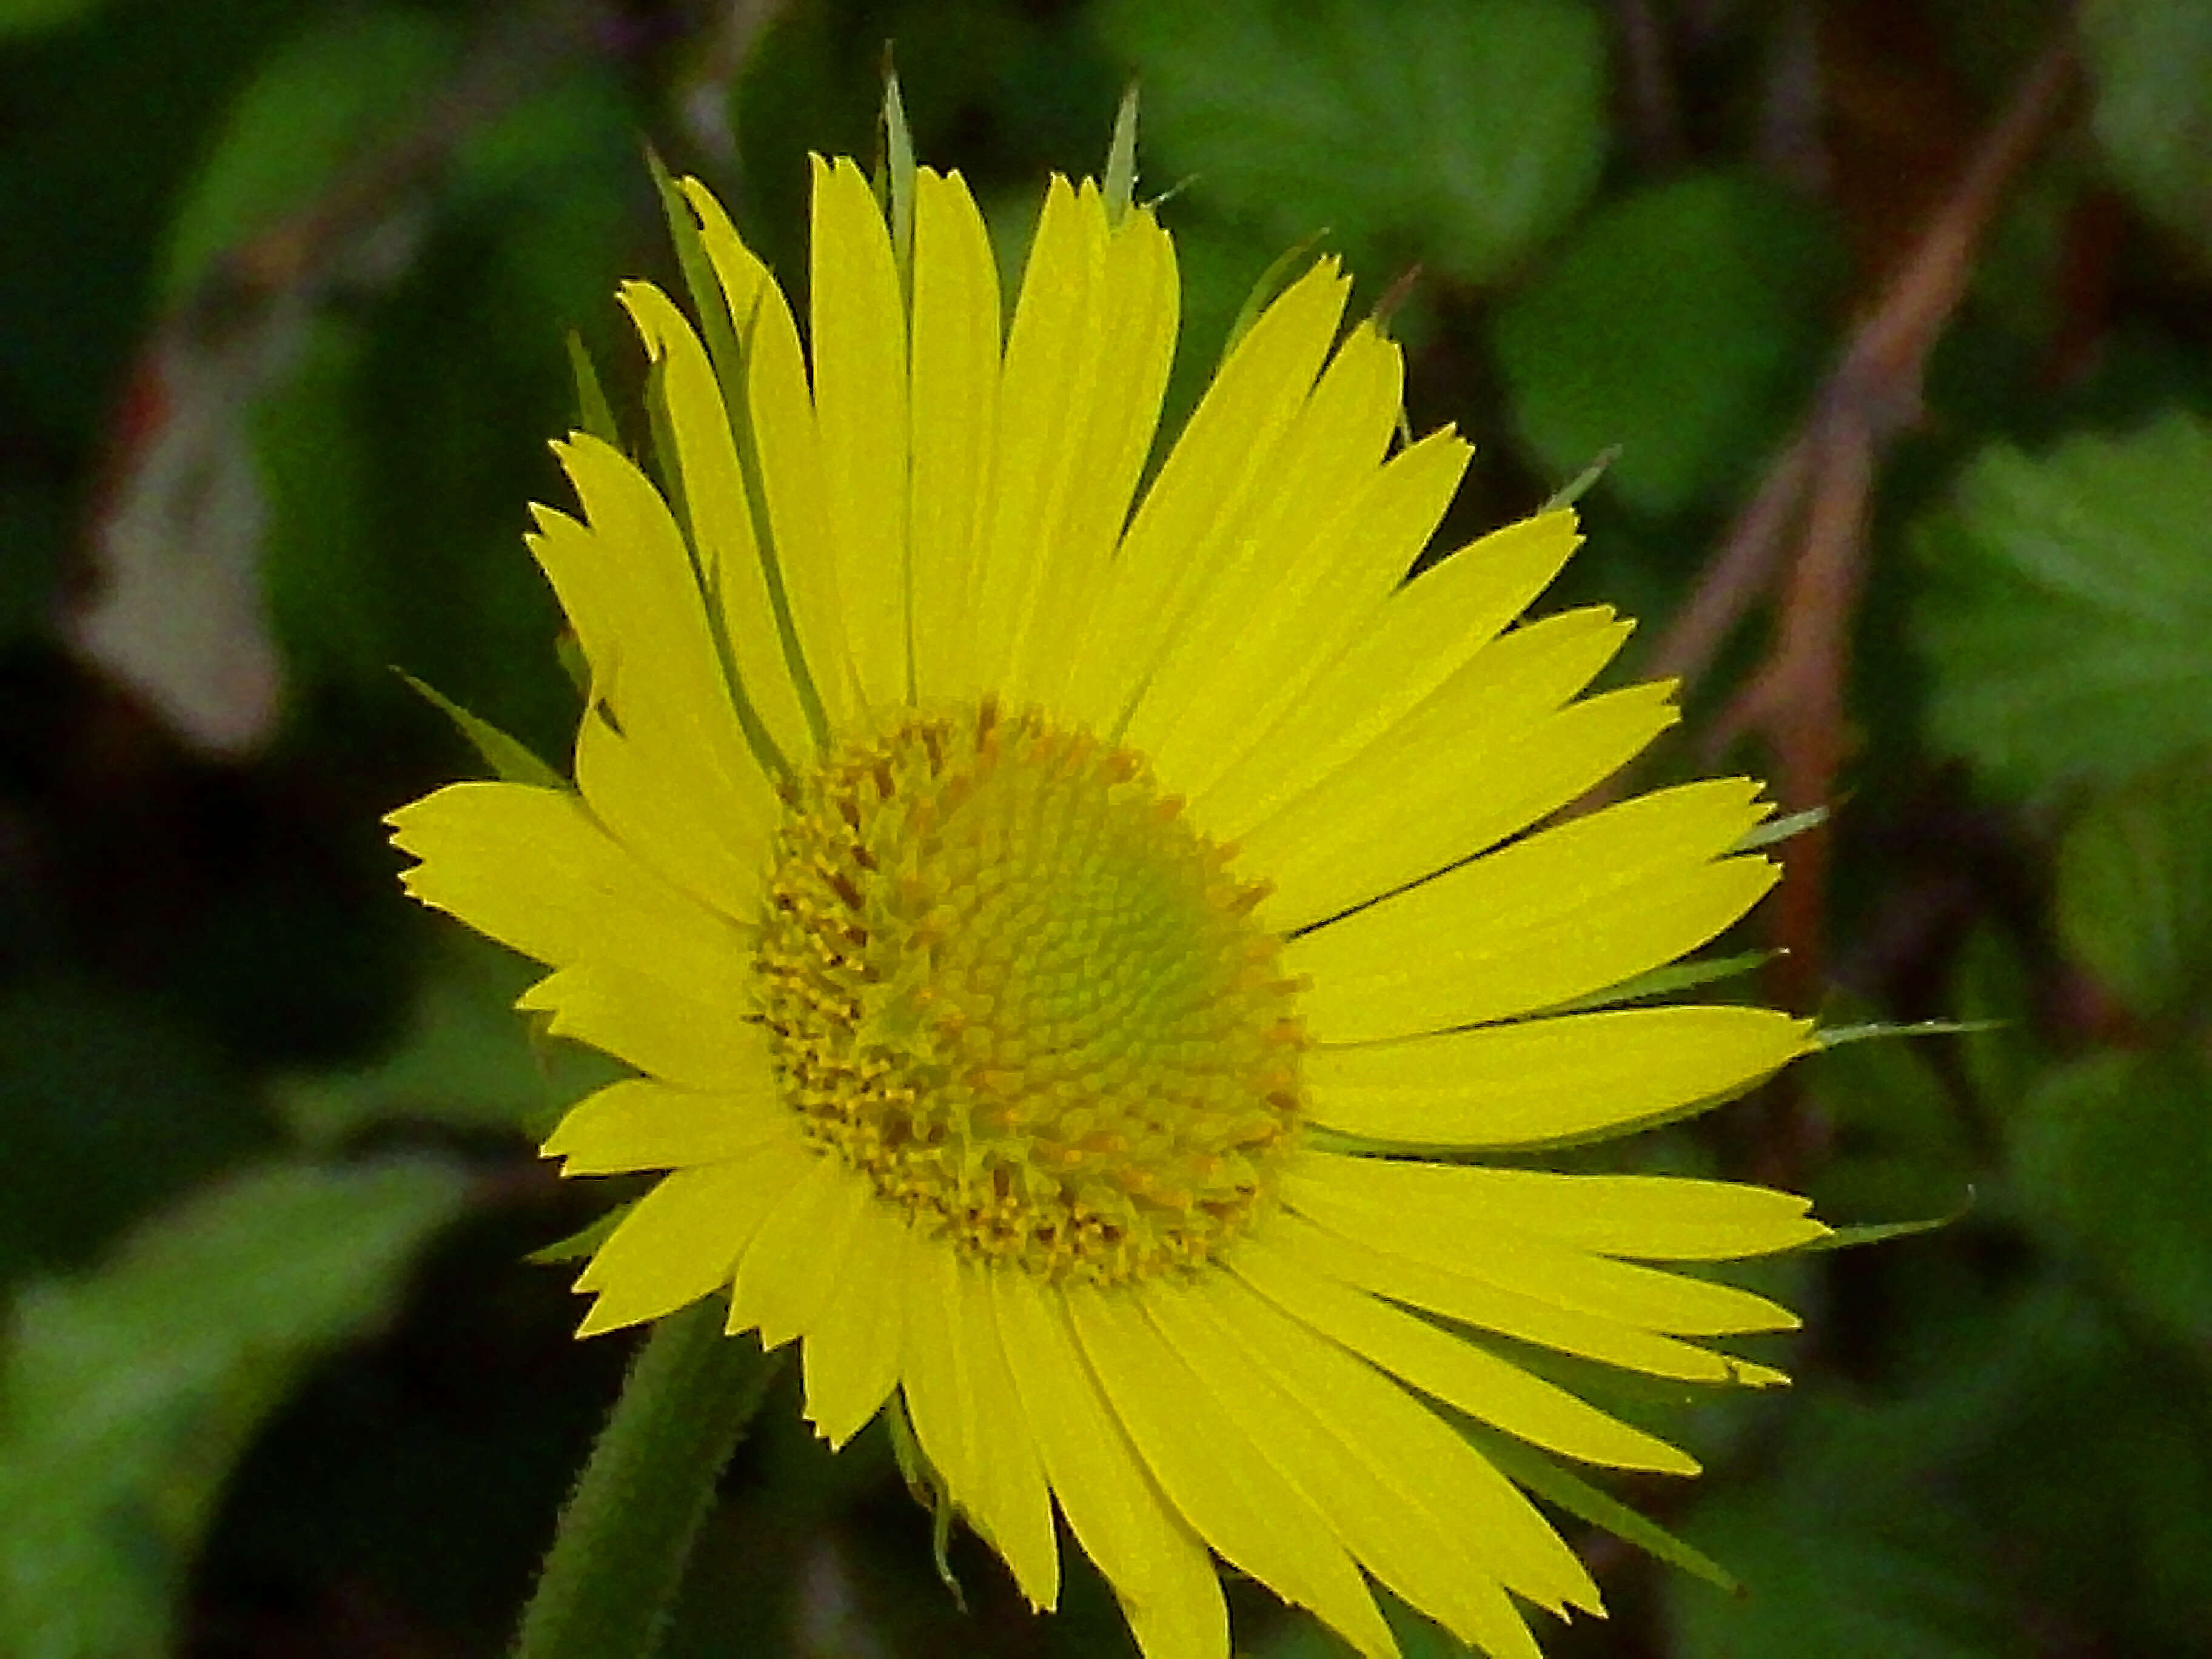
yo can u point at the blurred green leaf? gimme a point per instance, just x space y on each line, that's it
2112 1158
2135 890
1460 132
398 452
1679 323
2000 1058
127 1392
465 1058
106 122
108 1107
326 579
313 108
2091 1460
2067 619
2150 65
1847 1549
510 760
33 16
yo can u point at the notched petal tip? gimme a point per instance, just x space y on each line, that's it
652 312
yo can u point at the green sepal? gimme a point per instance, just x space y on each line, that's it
1665 981
1120 184
1289 265
1780 830
1386 310
594 415
1880 1232
569 651
584 1242
725 352
709 306
1835 1036
1525 1466
906 1451
1584 481
929 1490
669 464
896 185
511 760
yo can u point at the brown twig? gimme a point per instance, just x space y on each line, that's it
1650 107
1810 514
1741 572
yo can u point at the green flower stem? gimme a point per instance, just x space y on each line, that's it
618 1556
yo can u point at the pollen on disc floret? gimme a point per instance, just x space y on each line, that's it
1007 980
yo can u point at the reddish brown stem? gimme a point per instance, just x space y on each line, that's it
1810 515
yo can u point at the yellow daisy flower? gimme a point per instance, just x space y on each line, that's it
1077 943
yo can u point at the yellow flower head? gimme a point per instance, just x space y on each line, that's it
1078 947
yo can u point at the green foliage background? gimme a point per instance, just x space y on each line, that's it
273 1378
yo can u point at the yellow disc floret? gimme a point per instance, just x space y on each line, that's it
1010 983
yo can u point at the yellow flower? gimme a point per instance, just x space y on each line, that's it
1075 953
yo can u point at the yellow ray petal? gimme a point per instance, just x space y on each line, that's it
1647 1217
854 1350
789 1272
1019 1502
954 401
1454 1369
532 868
1432 819
859 344
1363 1199
1413 1502
1243 675
1203 1458
1547 1079
1475 762
1398 653
959 1391
680 782
1537 1319
1565 913
1222 475
782 413
685 1236
630 588
643 1124
675 1033
649 805
1158 1567
1087 363
1337 521
732 562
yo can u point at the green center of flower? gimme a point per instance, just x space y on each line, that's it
1008 982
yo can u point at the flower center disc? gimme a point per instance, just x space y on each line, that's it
1006 980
